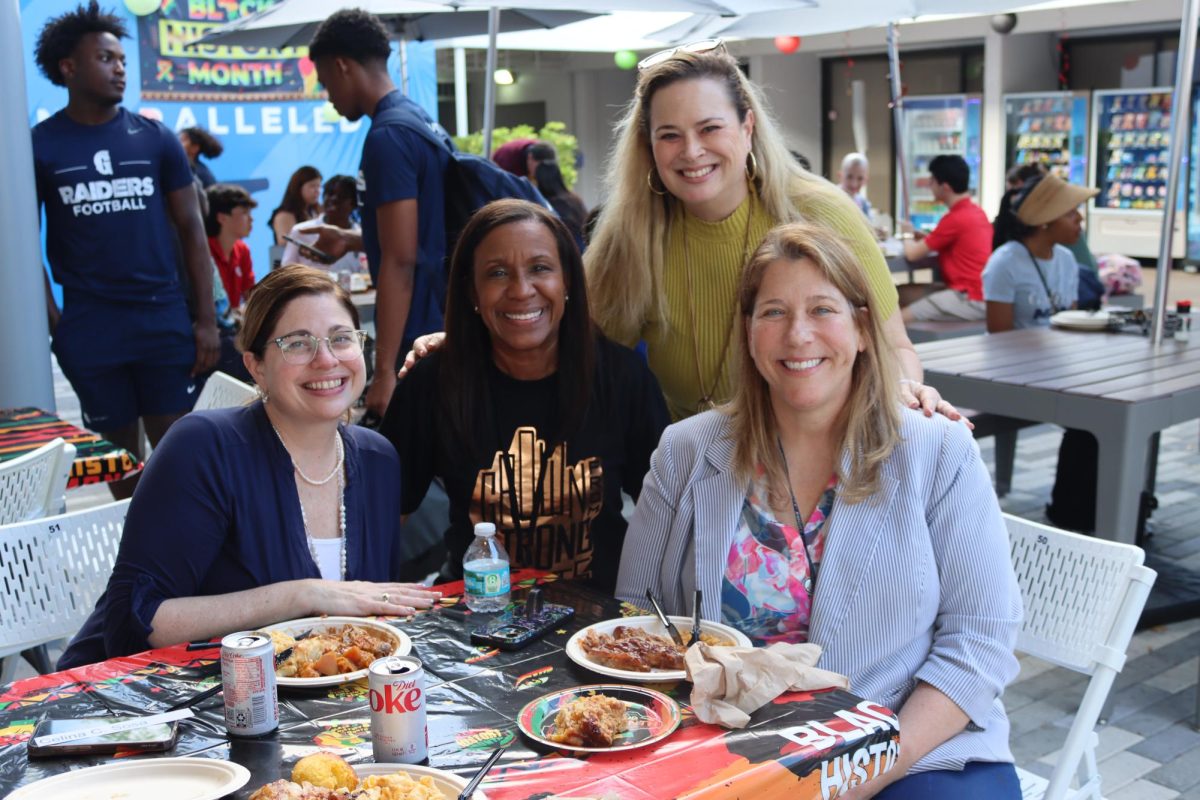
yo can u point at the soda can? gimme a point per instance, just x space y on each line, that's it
396 693
248 681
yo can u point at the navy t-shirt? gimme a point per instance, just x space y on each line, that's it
398 163
104 187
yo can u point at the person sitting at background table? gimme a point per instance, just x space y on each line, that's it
338 204
852 179
963 241
1029 279
299 203
533 420
813 507
1014 179
272 511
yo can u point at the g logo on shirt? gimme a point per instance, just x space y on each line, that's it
103 162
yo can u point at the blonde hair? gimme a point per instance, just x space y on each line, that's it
872 414
625 256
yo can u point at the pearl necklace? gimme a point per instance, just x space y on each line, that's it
337 471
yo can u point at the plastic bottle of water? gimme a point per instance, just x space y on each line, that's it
485 571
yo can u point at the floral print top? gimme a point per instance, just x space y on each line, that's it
762 593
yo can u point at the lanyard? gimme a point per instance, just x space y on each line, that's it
1054 307
811 580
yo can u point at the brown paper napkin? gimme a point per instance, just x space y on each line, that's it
730 683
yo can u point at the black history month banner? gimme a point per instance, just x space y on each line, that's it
174 68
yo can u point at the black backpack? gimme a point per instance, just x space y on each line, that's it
471 181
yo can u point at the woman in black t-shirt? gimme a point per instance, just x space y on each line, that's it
532 419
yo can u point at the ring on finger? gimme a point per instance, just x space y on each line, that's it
385 597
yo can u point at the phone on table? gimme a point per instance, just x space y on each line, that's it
308 248
515 629
152 738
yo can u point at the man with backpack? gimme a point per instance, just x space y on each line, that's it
401 185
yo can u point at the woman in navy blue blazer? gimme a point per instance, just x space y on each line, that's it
814 507
268 512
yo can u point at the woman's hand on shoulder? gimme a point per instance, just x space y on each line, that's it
423 346
917 395
365 598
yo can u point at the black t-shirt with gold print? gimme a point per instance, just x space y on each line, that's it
557 505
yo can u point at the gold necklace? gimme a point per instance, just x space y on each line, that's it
706 397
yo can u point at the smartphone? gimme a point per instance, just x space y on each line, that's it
512 631
153 738
308 248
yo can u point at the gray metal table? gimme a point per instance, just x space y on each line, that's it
1115 385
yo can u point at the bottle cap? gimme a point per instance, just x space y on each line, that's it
485 529
1183 307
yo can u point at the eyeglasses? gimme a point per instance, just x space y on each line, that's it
702 46
301 348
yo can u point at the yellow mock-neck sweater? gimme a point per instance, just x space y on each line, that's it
717 258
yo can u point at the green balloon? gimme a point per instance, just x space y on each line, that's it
142 7
625 59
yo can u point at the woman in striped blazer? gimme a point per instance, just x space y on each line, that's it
815 469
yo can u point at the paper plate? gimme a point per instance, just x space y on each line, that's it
449 784
148 779
652 625
1081 320
650 716
297 626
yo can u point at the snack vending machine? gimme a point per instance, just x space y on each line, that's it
937 125
1193 184
1130 141
1050 128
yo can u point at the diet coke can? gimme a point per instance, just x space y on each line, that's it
248 681
396 692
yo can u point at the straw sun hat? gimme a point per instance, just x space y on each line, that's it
1049 199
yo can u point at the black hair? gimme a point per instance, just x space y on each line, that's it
60 36
343 185
951 170
223 198
210 146
468 346
1023 172
1007 226
351 33
566 203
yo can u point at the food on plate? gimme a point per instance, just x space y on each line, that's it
325 770
637 650
333 651
324 776
398 786
594 720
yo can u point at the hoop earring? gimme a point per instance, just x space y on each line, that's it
650 183
751 167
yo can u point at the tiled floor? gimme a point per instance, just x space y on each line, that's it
1149 749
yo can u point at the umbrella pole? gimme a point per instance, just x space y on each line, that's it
1180 107
489 82
404 66
898 120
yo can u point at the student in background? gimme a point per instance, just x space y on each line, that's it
199 142
299 203
338 206
227 224
549 179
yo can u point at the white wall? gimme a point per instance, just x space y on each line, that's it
792 85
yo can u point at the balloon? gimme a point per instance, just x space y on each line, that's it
625 59
305 65
141 8
787 44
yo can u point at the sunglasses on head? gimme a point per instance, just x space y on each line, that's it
703 46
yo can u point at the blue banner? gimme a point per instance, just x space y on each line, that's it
266 132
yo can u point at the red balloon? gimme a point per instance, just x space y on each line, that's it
787 44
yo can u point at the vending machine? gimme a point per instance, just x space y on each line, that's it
937 125
1048 128
1193 184
1131 136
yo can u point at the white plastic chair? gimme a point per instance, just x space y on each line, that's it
52 571
1083 597
32 485
224 391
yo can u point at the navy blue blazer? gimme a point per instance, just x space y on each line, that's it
216 511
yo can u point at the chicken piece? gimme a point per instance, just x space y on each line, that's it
632 649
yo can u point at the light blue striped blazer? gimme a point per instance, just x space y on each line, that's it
915 584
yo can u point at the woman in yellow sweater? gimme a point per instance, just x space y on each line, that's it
700 173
